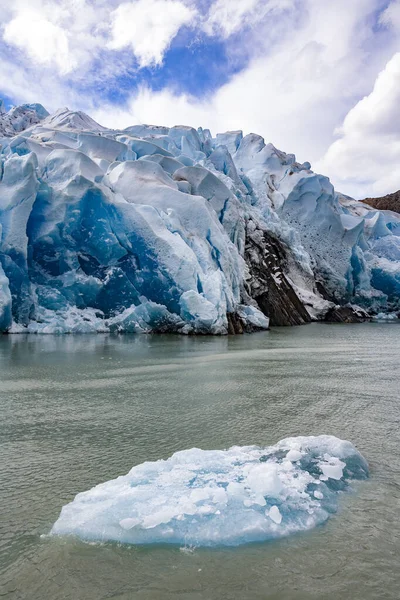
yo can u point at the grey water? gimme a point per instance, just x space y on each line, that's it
79 410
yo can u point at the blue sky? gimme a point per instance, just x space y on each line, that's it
320 78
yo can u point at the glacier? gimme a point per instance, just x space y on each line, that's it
219 497
169 229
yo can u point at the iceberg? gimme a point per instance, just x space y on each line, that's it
169 229
219 497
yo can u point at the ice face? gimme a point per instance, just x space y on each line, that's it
219 497
156 228
19 118
332 235
5 302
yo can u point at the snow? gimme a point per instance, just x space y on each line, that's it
219 497
66 119
97 223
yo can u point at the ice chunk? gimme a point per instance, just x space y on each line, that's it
275 514
226 205
146 317
5 301
20 118
386 318
181 134
253 317
218 497
201 314
230 139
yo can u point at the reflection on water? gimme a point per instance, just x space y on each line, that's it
78 410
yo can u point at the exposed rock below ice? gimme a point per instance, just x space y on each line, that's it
219 497
347 314
268 285
169 229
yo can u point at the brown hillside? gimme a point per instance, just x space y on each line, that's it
389 202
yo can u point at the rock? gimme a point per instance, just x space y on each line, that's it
235 324
266 258
388 202
347 314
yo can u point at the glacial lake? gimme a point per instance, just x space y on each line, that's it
80 410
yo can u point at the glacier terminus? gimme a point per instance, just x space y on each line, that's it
168 229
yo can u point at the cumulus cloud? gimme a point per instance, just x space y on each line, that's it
148 26
366 157
63 35
295 92
43 41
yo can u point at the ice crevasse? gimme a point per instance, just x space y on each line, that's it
170 229
219 497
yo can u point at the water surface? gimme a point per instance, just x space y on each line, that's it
79 410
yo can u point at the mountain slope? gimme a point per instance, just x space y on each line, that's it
169 229
388 202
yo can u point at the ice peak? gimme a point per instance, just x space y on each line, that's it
64 118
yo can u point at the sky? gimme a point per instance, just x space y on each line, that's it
318 78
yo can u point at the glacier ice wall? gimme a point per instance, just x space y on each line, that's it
169 229
219 497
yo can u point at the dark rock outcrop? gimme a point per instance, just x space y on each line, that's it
347 314
235 324
268 285
389 202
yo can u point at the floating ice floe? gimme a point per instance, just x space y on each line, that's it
219 497
385 318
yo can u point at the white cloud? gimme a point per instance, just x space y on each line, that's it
162 108
24 85
44 42
391 15
229 16
148 27
63 35
366 158
294 94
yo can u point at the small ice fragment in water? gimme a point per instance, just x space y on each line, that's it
332 468
275 514
293 455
